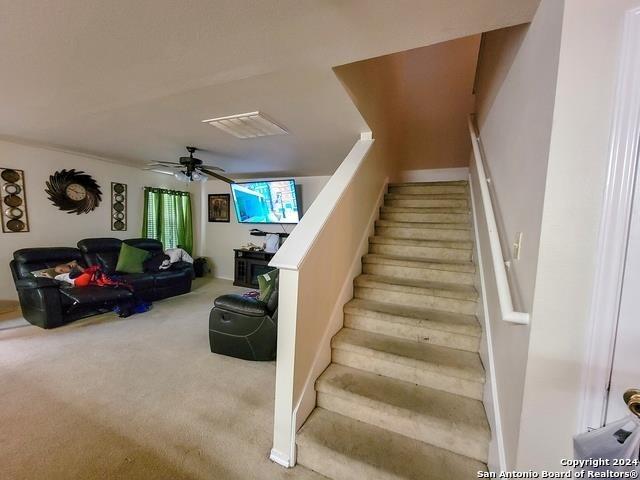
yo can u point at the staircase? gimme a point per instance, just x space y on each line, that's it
402 398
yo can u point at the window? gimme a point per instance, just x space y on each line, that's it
167 217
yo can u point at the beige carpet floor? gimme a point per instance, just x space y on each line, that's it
135 398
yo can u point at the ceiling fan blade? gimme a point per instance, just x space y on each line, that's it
212 167
158 171
164 165
164 161
215 175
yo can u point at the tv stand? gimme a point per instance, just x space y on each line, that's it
248 265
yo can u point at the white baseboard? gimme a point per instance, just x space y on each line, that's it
279 458
322 358
222 277
432 175
497 454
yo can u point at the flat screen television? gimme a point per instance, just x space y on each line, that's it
266 202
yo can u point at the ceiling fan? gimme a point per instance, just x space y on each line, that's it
189 169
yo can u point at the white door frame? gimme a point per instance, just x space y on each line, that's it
614 229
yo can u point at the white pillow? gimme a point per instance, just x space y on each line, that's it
65 277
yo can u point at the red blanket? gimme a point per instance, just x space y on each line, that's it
95 276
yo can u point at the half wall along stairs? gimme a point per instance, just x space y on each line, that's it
402 398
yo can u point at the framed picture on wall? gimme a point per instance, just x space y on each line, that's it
219 204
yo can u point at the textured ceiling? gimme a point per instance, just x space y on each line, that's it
131 81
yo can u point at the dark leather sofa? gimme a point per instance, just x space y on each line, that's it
244 327
48 303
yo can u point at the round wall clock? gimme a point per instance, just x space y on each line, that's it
73 191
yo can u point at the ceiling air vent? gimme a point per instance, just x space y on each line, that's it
247 125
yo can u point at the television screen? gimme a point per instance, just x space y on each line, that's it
266 202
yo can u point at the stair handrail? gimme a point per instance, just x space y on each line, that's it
499 265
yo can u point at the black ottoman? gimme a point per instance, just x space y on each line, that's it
244 327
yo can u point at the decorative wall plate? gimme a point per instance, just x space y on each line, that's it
12 188
73 192
10 175
12 200
14 212
16 226
118 206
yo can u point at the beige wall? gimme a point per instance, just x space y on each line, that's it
217 240
50 226
417 102
515 94
573 201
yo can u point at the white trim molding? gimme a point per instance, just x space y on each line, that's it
491 398
283 451
614 229
504 290
280 459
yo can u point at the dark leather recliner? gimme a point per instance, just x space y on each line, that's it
40 299
244 327
48 303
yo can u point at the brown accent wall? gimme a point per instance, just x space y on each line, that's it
416 102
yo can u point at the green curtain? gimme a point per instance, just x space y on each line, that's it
167 217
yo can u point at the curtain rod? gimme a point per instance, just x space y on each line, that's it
166 190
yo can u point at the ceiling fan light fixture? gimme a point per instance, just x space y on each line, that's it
182 176
247 125
196 176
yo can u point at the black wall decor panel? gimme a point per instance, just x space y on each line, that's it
118 206
14 201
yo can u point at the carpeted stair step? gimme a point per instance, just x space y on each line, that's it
428 188
343 448
453 422
424 231
434 295
447 200
429 215
411 269
402 398
421 249
445 329
441 368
